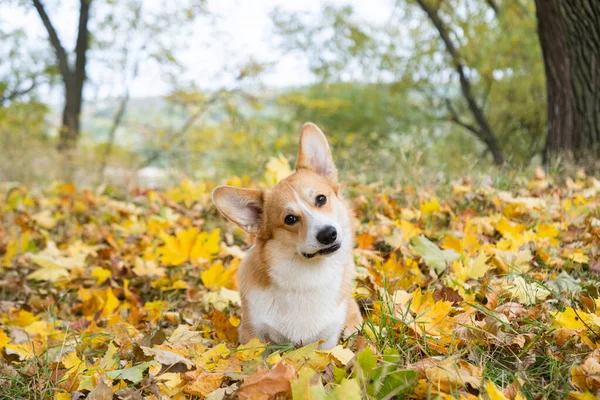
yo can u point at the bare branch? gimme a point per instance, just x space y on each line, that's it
61 54
456 119
13 94
82 44
485 131
493 6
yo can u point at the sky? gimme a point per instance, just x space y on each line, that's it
245 31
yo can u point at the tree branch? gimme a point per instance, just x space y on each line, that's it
456 119
485 131
13 94
61 54
82 41
493 6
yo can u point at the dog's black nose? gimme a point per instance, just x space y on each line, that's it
327 235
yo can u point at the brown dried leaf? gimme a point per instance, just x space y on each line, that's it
264 384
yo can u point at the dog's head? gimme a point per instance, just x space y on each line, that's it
304 213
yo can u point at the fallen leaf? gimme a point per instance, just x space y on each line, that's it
268 383
432 255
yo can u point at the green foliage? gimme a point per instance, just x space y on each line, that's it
500 52
381 93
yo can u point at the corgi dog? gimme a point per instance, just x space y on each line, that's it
296 280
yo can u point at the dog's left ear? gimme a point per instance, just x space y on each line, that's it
314 152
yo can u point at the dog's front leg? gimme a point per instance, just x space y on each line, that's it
331 335
330 342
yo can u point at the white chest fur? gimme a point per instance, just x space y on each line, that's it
303 303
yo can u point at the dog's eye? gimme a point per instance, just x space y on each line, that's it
320 200
290 219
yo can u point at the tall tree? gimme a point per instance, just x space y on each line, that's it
73 76
569 34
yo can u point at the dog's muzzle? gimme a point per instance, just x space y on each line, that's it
325 251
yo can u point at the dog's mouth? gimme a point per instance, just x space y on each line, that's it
325 251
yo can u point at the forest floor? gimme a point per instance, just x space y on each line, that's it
487 290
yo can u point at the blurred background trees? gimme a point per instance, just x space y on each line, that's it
442 86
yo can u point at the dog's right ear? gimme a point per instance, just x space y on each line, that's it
242 206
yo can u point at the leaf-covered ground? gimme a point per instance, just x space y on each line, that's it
474 292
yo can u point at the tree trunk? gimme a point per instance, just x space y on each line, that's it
70 120
73 76
569 33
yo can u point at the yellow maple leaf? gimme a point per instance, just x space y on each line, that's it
204 384
188 244
4 339
478 267
340 355
187 193
409 230
18 317
577 256
98 300
404 273
452 243
53 269
509 229
176 249
71 362
110 361
23 351
218 276
278 168
273 358
430 206
582 396
206 246
56 264
210 358
308 356
547 231
101 275
475 269
570 319
235 181
40 328
430 317
16 246
508 261
493 392
251 350
470 241
155 308
235 321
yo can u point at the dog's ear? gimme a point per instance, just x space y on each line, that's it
314 152
242 206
